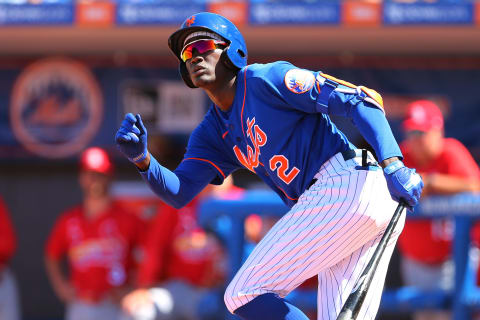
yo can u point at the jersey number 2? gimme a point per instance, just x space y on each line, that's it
281 163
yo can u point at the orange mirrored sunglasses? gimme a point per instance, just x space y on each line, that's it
201 46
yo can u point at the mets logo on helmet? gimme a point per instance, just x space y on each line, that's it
190 21
299 80
56 107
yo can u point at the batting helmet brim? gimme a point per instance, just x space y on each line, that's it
177 39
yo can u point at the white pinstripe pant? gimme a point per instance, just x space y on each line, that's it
331 232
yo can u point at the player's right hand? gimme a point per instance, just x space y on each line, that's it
131 138
403 183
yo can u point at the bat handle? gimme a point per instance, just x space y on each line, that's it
345 315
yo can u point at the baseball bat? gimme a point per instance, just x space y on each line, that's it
354 302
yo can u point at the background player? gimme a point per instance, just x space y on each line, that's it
273 119
9 300
447 168
98 238
185 266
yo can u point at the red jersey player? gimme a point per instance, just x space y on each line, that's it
447 168
98 238
184 266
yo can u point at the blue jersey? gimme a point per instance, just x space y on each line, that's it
275 128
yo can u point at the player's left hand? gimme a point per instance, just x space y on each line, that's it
403 183
131 138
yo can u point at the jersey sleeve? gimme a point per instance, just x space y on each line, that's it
205 150
460 161
57 245
205 161
312 91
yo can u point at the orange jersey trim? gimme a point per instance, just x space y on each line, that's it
286 195
374 95
208 161
345 83
370 92
225 134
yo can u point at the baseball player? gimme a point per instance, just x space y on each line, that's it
273 119
184 266
447 168
98 239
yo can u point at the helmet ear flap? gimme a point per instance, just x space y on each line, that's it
185 76
227 62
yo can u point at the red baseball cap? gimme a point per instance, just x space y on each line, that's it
423 115
97 160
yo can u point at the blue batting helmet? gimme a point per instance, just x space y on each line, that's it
236 51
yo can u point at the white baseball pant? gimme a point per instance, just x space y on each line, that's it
332 231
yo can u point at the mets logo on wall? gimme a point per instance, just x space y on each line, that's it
299 80
56 107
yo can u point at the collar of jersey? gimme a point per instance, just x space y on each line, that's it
224 114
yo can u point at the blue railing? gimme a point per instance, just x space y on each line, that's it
227 217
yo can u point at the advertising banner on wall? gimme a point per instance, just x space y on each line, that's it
295 13
428 13
255 13
32 14
155 13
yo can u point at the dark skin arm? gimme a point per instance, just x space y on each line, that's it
386 162
144 164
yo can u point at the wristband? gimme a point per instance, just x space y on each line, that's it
394 166
140 157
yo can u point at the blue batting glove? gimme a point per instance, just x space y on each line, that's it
403 183
131 138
